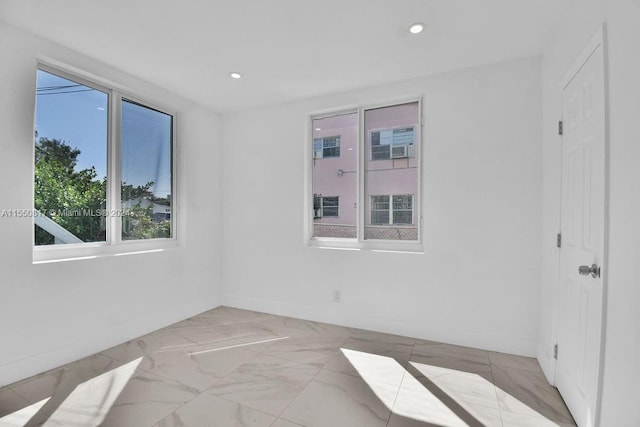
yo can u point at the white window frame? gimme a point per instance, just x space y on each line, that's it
114 244
359 243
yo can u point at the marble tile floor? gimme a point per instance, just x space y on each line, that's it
231 367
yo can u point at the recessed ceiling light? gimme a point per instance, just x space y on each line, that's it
416 28
235 75
318 129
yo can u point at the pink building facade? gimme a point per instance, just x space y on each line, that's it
391 173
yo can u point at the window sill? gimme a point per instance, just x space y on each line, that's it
62 253
409 247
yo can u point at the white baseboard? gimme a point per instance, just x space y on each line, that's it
110 336
547 363
522 346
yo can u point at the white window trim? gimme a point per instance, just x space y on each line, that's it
114 245
359 243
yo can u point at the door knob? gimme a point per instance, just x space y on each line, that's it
585 270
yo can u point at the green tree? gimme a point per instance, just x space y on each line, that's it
76 199
138 221
65 195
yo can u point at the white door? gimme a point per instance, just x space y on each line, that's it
583 213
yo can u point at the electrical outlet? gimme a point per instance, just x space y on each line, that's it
337 295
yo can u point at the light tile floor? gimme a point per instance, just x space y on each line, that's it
230 367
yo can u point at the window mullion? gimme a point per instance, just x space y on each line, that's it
114 181
361 176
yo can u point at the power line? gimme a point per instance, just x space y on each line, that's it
68 91
43 88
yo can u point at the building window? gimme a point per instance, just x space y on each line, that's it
91 186
325 206
380 210
392 143
392 210
402 209
326 147
376 178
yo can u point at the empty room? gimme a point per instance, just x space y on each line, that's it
291 213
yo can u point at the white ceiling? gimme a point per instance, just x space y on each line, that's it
287 49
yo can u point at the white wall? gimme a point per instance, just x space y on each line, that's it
476 283
51 314
622 323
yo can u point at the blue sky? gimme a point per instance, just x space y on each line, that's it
78 115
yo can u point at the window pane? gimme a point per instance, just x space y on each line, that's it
331 142
380 202
331 152
380 152
327 147
317 148
402 217
335 176
70 161
402 202
379 210
379 217
403 136
147 136
391 170
330 202
329 211
330 206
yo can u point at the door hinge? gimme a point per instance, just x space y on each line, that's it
559 240
560 128
555 351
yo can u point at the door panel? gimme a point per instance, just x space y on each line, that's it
581 296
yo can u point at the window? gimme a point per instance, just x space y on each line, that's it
326 147
337 176
380 210
146 172
325 206
91 186
392 143
380 192
70 161
402 209
393 209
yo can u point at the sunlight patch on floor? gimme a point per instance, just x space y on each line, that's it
90 402
400 391
21 417
471 390
437 395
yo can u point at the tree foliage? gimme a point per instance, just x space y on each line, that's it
139 222
76 200
66 195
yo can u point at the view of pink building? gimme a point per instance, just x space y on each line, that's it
391 153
